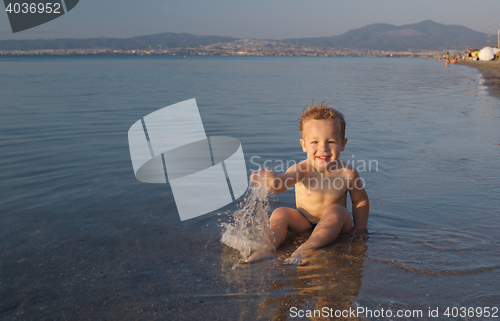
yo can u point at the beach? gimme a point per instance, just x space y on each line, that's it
491 74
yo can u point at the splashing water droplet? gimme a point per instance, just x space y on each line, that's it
251 227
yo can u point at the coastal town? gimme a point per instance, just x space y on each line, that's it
240 47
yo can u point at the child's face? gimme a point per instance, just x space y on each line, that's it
322 142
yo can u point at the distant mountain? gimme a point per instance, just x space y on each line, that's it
159 40
426 35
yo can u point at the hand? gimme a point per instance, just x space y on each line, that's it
263 178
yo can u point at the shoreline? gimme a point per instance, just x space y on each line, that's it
490 70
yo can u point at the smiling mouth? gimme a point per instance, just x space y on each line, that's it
323 158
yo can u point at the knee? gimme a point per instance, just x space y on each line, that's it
279 214
337 211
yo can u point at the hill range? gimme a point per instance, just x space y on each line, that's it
426 35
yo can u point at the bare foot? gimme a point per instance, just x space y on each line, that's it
259 255
298 257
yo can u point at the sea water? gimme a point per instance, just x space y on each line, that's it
82 238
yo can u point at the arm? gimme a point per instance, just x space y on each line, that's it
277 183
360 203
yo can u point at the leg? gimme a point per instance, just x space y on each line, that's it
336 220
282 219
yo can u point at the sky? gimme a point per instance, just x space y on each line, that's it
256 19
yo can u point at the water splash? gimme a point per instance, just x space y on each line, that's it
250 227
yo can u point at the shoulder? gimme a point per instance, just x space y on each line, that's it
293 168
347 168
349 173
298 169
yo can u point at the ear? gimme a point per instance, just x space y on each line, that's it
343 144
303 143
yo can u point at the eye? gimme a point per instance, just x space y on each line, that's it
314 142
331 142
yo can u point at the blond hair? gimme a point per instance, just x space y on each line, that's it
319 112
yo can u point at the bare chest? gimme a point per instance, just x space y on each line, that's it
322 190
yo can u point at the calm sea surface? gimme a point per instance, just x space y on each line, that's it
81 238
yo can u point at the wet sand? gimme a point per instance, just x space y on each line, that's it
491 74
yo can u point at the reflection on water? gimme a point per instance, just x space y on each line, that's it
331 280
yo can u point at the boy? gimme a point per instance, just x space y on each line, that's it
321 185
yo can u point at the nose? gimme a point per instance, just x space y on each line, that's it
324 146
